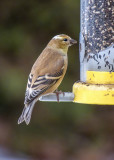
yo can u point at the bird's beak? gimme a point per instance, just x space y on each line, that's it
72 41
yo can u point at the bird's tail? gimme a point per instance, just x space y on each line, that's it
26 113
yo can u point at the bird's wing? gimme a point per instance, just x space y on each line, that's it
44 77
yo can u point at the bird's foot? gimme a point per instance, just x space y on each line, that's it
57 94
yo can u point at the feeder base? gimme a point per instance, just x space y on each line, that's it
101 94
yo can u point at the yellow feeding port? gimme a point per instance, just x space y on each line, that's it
99 89
93 94
95 77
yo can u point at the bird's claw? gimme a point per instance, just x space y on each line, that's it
57 94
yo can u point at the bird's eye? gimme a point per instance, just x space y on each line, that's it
65 39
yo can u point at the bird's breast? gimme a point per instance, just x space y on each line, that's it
56 85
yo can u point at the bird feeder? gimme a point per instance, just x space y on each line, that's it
96 85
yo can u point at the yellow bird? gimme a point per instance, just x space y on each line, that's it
47 73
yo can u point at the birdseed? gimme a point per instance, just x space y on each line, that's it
97 24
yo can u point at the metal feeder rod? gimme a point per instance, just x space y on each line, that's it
63 97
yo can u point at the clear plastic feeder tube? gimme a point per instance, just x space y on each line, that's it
96 37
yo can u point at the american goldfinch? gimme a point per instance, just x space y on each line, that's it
47 73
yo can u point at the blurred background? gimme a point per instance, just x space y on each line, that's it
58 131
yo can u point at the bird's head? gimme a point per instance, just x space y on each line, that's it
61 42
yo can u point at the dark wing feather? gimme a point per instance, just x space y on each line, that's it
41 84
